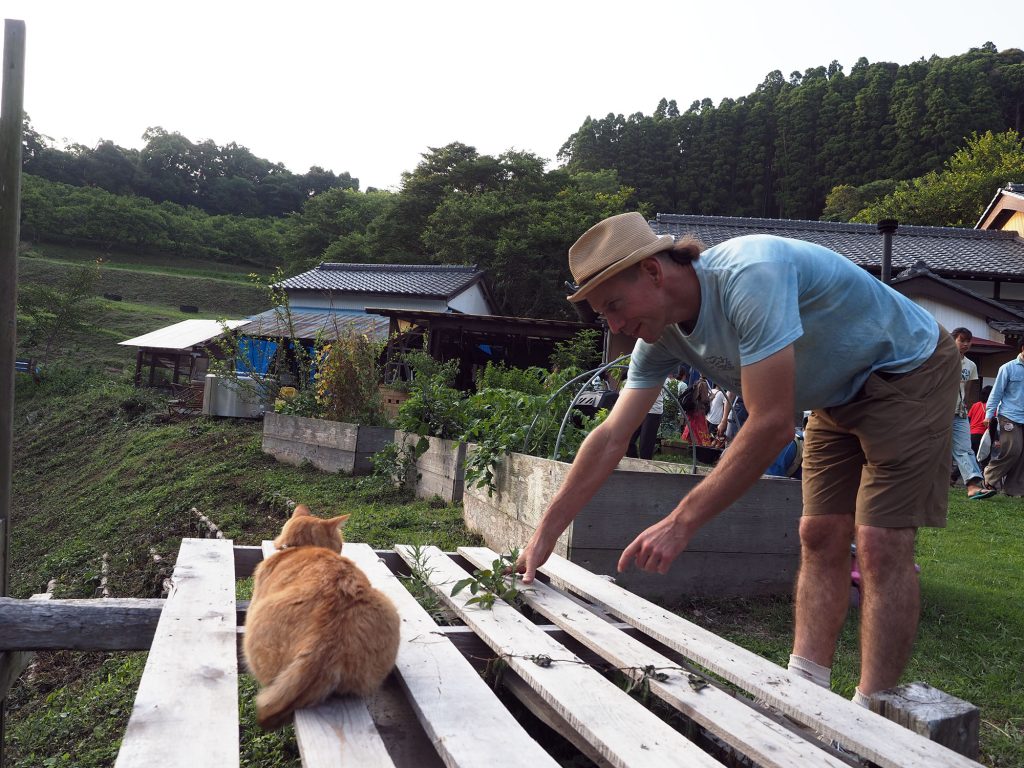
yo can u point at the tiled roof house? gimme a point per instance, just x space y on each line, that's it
334 295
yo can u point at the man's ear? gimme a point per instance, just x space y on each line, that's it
651 268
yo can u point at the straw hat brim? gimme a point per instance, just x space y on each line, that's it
663 243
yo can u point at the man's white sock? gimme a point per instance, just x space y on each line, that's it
808 670
861 699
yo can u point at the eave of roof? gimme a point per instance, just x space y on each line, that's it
436 281
1004 199
482 320
948 251
182 336
310 324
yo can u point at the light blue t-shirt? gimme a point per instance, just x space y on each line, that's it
1007 394
760 293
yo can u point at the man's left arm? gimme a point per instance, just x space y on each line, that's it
972 392
768 392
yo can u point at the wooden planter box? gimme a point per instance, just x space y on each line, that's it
440 468
753 548
391 400
332 446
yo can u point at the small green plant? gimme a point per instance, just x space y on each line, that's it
488 584
582 351
395 464
418 584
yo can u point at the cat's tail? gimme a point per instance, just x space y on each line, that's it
300 684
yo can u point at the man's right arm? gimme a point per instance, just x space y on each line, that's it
996 395
597 457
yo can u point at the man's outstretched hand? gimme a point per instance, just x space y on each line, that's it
533 556
655 548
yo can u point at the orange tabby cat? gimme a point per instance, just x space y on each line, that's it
315 626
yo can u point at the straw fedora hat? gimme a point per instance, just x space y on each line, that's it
609 247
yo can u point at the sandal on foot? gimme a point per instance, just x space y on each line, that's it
982 494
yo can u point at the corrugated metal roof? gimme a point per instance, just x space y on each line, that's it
310 323
434 281
182 336
948 251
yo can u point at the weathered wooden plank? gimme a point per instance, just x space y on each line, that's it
108 624
327 445
855 728
621 730
440 469
744 729
934 714
14 663
456 708
186 708
338 734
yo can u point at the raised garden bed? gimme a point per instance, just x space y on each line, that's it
753 548
332 446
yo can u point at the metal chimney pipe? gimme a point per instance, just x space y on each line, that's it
886 227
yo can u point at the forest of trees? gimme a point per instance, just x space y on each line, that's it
778 152
926 143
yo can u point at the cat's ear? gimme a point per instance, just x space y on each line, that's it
300 510
337 521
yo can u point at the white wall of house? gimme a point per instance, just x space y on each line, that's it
952 317
358 302
471 301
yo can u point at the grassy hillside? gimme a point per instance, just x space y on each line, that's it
152 290
214 291
98 472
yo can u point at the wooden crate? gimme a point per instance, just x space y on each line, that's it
437 710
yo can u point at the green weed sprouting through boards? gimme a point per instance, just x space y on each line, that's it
418 584
488 584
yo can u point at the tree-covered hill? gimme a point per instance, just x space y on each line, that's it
171 168
778 151
882 129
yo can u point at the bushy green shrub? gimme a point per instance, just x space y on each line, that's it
347 380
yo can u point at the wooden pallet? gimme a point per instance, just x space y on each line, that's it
185 713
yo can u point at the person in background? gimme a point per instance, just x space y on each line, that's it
963 455
1006 403
783 322
976 415
718 411
641 445
695 426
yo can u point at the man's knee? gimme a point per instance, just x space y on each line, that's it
826 535
885 550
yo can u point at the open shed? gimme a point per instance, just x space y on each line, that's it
473 340
183 348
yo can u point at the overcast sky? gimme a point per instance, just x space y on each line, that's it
366 86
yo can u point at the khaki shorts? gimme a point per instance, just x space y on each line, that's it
885 456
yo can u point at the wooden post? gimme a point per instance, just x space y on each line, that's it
11 112
934 714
